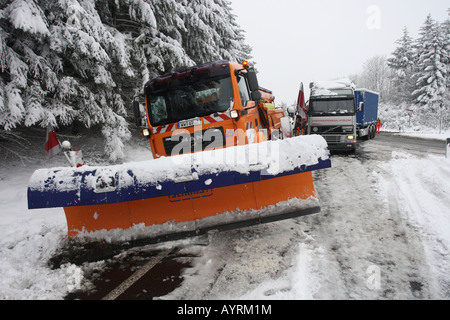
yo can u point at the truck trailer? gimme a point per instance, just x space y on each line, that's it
367 113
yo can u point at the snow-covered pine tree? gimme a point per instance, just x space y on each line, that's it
231 44
233 39
431 68
201 34
21 23
83 61
93 57
158 45
56 64
402 63
446 31
212 32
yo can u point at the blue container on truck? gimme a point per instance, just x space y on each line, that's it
367 113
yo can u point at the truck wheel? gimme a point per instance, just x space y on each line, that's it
367 137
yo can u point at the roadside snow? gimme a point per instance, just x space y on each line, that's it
27 241
428 135
411 121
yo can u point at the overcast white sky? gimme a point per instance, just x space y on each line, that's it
297 41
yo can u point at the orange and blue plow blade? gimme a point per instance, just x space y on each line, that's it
188 194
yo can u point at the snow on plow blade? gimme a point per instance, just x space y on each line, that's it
247 184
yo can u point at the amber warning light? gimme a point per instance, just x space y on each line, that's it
245 64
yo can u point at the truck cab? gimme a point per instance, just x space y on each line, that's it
332 114
208 107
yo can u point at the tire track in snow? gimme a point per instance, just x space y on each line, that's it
363 231
408 244
423 202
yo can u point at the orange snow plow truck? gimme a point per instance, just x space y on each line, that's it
223 99
221 161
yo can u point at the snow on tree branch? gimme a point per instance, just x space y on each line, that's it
27 16
82 61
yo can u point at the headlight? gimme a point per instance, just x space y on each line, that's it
350 137
234 114
145 133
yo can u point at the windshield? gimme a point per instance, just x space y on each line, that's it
191 100
332 107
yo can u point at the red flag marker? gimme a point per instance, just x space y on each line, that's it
52 145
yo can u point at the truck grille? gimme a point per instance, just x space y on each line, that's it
333 139
198 141
330 130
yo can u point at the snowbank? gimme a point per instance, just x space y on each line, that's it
27 242
428 135
412 120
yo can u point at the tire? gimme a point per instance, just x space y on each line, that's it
365 138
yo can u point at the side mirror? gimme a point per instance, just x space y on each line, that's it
252 81
361 106
256 95
137 113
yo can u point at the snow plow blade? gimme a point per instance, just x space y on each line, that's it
187 194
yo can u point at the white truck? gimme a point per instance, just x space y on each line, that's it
341 113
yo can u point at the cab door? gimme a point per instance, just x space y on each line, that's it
249 122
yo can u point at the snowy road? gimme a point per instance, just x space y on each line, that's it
385 143
369 242
383 233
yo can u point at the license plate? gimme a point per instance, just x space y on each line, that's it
189 123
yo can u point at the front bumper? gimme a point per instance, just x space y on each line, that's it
341 143
342 146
